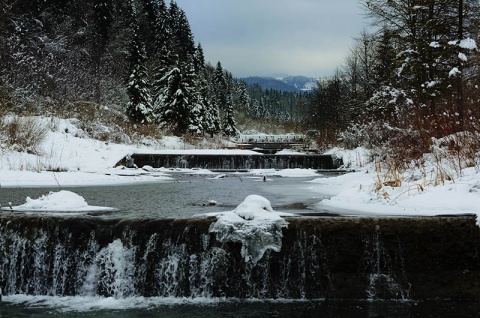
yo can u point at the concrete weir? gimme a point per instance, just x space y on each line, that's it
234 161
333 258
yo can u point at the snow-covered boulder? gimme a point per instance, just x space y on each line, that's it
253 205
64 201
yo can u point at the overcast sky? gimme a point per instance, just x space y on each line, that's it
275 37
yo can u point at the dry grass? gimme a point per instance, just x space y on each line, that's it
24 134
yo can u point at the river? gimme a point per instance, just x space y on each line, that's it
190 195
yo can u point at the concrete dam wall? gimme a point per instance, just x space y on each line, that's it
235 161
332 258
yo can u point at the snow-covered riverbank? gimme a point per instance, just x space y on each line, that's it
420 191
65 160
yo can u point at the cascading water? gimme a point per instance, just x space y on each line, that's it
385 282
338 258
236 161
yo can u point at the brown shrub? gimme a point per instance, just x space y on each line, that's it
23 134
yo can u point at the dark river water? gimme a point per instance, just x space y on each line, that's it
267 308
186 197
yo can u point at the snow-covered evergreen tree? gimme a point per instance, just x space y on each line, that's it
224 99
139 107
196 108
428 52
180 108
182 41
243 96
210 114
221 86
229 126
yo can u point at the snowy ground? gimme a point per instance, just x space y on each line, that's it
370 190
66 160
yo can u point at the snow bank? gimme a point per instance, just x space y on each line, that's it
254 224
67 158
61 201
368 192
354 159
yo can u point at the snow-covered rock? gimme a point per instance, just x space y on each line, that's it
64 201
254 224
253 205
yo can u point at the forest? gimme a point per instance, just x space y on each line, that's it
135 57
412 75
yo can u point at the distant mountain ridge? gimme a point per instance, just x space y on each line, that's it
295 84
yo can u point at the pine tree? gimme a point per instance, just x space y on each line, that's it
173 113
210 114
244 98
181 109
183 44
221 86
164 59
160 33
224 98
139 107
196 107
384 59
229 125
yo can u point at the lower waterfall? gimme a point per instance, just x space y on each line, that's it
328 258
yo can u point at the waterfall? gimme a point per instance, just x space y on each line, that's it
235 161
338 258
387 279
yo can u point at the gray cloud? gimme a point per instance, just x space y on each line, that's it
270 37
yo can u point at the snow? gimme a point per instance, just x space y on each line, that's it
454 71
253 205
254 224
289 152
67 159
462 56
189 152
264 138
61 201
468 44
368 192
